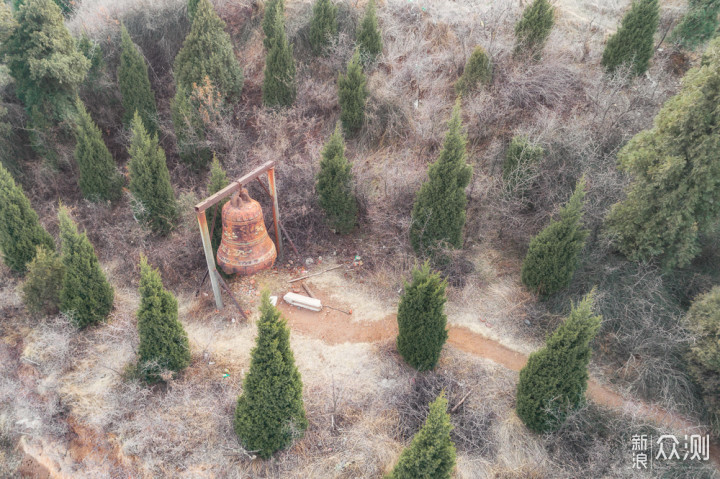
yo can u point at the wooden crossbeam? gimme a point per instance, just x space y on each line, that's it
233 187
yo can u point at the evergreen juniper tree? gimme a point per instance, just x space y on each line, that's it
273 9
334 185
675 190
533 29
438 215
633 42
150 181
86 296
478 69
323 25
421 319
208 52
47 67
352 95
553 382
20 230
431 454
270 411
703 321
698 25
217 181
43 282
164 343
93 52
552 256
191 9
189 131
368 36
134 84
279 82
99 178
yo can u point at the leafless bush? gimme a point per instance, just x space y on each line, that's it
471 428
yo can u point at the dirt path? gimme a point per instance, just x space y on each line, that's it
334 327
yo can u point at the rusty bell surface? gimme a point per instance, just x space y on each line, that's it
246 247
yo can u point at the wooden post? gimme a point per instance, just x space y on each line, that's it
210 258
276 211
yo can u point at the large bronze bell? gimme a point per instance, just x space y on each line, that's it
246 247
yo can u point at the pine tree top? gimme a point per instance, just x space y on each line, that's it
431 453
273 8
633 41
451 165
368 36
208 52
218 178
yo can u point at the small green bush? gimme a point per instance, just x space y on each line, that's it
368 37
334 185
279 88
553 382
323 25
633 42
552 256
698 25
352 96
520 157
86 295
703 359
431 453
478 69
43 282
533 29
164 344
421 319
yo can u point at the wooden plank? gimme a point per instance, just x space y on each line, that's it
233 187
209 258
276 213
315 274
308 290
282 228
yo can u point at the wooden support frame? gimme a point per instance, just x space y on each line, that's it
233 187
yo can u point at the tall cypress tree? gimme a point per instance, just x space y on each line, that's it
352 95
698 25
368 36
421 319
164 343
217 181
279 83
478 69
135 84
334 185
552 256
208 52
431 454
323 25
438 216
675 190
20 230
273 9
99 178
533 29
553 382
633 42
86 295
150 181
270 411
189 130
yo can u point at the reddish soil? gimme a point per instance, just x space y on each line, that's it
335 327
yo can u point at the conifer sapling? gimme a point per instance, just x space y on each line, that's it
134 83
421 319
323 25
270 413
352 95
86 295
533 29
334 185
368 37
633 44
279 81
